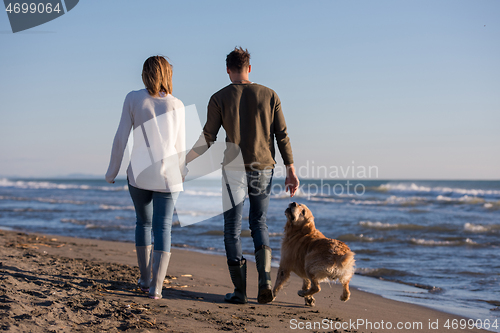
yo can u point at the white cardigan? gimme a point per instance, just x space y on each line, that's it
158 155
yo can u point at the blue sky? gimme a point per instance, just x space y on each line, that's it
411 87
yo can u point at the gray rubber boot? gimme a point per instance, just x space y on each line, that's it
263 262
239 277
144 262
160 265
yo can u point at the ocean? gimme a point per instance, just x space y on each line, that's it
433 243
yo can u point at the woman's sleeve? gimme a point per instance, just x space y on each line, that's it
180 140
120 141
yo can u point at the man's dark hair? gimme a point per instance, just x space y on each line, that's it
238 59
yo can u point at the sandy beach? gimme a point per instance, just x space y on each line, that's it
63 284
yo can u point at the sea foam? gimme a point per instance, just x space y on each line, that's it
478 228
4 182
431 242
381 225
440 190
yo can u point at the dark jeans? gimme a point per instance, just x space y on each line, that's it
258 186
154 210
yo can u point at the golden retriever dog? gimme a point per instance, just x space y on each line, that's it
313 257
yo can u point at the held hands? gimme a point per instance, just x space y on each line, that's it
184 172
291 181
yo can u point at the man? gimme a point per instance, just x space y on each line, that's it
252 117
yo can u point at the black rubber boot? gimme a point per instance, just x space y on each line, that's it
263 261
238 274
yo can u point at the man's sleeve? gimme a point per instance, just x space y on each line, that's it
211 128
281 134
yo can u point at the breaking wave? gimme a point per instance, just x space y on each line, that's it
96 224
361 238
111 207
381 225
465 199
478 228
439 190
431 242
47 200
46 185
492 205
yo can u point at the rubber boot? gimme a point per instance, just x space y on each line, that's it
263 262
144 262
160 265
238 274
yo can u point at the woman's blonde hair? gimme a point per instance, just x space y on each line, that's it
157 75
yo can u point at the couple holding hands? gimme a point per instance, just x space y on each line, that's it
252 117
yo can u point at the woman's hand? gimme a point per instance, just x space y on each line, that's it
184 173
109 180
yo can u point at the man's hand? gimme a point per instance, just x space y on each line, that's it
291 181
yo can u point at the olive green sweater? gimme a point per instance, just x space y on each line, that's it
252 117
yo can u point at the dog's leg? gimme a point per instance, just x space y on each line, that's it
346 293
281 278
310 301
306 284
315 288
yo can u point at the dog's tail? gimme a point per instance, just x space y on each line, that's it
347 260
347 263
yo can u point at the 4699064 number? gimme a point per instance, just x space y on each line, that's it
471 323
32 8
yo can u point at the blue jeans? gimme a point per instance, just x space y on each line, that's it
154 210
258 186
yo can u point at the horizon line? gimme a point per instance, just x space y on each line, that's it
101 177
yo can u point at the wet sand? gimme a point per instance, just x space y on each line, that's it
64 284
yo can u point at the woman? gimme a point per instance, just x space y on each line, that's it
155 172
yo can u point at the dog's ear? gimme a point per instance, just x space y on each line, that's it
308 219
